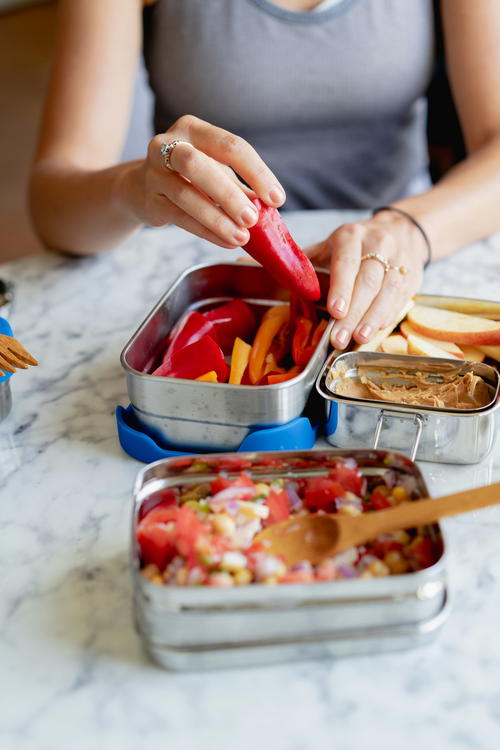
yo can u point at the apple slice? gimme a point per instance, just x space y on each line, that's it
383 333
478 307
394 344
473 354
491 351
460 328
422 346
448 346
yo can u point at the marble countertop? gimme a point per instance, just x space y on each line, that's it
73 672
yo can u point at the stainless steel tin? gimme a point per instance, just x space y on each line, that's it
206 627
434 434
5 398
218 416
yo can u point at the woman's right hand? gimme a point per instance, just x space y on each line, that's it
203 195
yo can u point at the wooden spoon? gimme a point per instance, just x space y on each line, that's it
315 537
13 354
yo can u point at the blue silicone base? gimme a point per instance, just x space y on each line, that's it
299 434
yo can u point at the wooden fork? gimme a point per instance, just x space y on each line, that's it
13 354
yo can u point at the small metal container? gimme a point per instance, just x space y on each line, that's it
434 433
5 329
206 627
197 415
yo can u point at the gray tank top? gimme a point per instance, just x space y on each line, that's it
332 100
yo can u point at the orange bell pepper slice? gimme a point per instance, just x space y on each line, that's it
239 360
208 377
272 321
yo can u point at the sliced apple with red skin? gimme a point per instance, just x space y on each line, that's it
422 346
491 351
394 344
460 328
473 354
448 346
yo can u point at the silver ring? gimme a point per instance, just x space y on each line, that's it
166 152
387 266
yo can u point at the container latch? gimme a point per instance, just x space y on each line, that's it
391 414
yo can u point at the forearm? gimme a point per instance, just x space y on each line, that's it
82 211
465 205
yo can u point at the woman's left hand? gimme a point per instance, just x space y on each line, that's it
363 295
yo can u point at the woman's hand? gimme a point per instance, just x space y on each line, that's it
202 194
363 296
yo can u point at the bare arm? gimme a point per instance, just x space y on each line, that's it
462 208
82 201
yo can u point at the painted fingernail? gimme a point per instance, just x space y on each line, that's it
241 236
277 194
342 337
249 215
339 305
365 332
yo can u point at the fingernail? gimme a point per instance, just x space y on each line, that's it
277 194
339 305
241 236
342 337
249 215
365 332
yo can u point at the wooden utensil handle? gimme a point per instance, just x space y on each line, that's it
431 510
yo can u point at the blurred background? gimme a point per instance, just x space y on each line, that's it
27 33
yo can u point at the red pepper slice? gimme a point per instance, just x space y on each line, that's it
300 340
272 245
190 328
232 319
195 360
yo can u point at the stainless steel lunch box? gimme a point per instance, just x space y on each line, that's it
216 416
434 434
205 627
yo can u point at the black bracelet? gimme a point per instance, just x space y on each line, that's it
414 222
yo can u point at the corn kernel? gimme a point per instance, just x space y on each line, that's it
242 577
399 493
223 524
270 581
378 568
262 489
181 577
150 571
396 562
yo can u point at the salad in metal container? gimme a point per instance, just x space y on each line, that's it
201 532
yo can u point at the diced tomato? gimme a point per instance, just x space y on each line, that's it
163 499
381 548
321 492
181 463
189 530
350 478
220 483
422 551
155 539
279 507
378 501
233 463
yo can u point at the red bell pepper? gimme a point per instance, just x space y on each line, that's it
190 328
272 245
195 360
300 353
232 319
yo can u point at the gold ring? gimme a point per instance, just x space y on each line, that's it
380 258
387 266
166 152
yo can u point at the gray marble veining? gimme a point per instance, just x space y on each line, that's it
73 673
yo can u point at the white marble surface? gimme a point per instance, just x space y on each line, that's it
73 674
